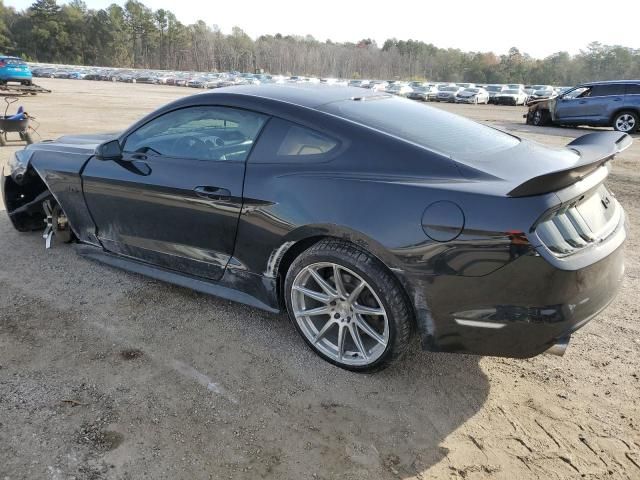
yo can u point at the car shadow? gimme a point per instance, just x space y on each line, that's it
396 422
315 418
389 424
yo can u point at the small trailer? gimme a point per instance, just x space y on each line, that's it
11 90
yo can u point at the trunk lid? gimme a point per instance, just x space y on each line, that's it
530 169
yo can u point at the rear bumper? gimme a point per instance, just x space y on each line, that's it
15 77
520 310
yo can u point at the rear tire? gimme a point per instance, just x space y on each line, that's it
339 330
626 122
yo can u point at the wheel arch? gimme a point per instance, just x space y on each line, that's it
618 111
23 196
293 249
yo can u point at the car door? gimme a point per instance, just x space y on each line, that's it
570 106
632 96
174 198
603 101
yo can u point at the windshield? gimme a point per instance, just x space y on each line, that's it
435 129
494 88
575 92
449 89
472 90
419 89
512 92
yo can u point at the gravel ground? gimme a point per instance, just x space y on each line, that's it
109 375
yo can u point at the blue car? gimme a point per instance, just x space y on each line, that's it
14 69
599 104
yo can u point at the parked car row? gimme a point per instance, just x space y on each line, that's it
595 104
509 94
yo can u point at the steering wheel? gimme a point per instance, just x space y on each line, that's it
190 142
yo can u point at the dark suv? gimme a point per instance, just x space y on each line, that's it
598 104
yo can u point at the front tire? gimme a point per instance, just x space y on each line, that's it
348 307
540 118
626 122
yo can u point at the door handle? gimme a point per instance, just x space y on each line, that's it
213 193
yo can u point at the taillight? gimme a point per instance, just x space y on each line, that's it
587 221
2 64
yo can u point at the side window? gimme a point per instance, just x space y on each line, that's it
286 142
633 89
303 141
607 90
199 133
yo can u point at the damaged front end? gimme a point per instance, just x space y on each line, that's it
29 203
540 111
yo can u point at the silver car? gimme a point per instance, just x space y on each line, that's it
473 95
448 94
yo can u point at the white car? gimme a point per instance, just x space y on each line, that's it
511 97
359 83
473 95
399 89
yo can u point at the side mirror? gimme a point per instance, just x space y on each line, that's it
110 150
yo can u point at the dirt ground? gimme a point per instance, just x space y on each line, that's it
109 375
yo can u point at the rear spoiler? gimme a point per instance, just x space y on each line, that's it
595 149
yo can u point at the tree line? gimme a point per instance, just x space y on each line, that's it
136 36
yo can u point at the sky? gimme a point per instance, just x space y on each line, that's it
538 27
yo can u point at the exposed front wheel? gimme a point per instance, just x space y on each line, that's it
626 122
540 118
347 306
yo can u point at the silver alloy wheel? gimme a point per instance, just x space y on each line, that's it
625 123
340 314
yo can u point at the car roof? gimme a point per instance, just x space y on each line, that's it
305 95
608 82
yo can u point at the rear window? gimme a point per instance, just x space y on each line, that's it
435 129
12 61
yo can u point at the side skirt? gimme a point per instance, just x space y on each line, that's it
233 285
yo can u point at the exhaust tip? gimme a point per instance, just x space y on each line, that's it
560 347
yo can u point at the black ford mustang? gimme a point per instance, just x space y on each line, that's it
365 216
